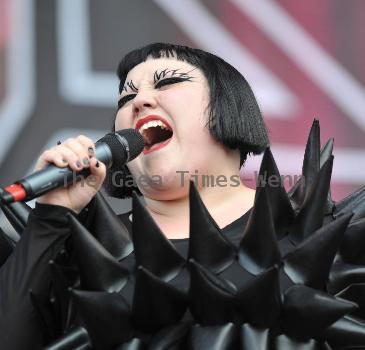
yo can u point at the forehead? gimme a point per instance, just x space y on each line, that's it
147 69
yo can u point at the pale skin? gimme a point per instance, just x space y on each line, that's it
184 105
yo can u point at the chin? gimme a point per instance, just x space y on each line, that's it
167 187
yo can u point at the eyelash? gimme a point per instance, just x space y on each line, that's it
168 81
125 99
158 85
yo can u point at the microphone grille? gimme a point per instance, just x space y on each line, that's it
119 141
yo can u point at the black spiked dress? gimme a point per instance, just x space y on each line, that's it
288 274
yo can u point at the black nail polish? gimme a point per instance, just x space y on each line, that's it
91 151
97 164
85 161
59 142
78 164
64 161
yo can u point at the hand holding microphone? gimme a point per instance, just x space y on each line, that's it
76 154
54 179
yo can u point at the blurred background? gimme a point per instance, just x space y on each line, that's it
304 59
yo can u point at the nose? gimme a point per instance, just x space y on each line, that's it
144 99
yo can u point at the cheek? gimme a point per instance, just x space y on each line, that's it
188 107
192 126
133 168
123 119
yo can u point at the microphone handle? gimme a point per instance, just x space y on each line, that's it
52 177
48 179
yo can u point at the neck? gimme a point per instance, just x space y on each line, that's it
225 204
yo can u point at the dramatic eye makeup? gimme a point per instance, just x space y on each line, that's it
160 79
171 75
130 86
123 100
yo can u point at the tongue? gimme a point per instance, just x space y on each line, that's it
156 144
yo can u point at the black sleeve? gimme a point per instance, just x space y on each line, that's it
28 269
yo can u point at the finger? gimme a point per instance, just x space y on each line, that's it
88 144
98 172
81 152
69 157
51 156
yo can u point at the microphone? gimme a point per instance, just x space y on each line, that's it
118 148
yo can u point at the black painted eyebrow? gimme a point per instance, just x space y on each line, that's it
157 76
171 73
130 85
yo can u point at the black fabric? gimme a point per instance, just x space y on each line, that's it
27 272
27 269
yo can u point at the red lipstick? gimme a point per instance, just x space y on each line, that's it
148 119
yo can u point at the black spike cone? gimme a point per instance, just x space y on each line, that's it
347 333
207 245
311 162
260 300
258 248
77 338
17 213
223 337
159 256
308 312
282 211
287 343
108 229
254 338
106 317
355 202
170 338
133 344
349 202
355 293
311 261
352 246
310 217
156 304
326 154
310 167
342 275
99 270
211 298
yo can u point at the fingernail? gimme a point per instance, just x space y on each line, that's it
86 161
59 142
97 164
91 151
78 164
64 161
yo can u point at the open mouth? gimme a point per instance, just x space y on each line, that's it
156 134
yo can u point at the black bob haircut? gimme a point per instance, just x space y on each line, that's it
234 119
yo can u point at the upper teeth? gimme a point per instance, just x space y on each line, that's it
151 124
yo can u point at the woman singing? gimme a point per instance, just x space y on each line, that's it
202 261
